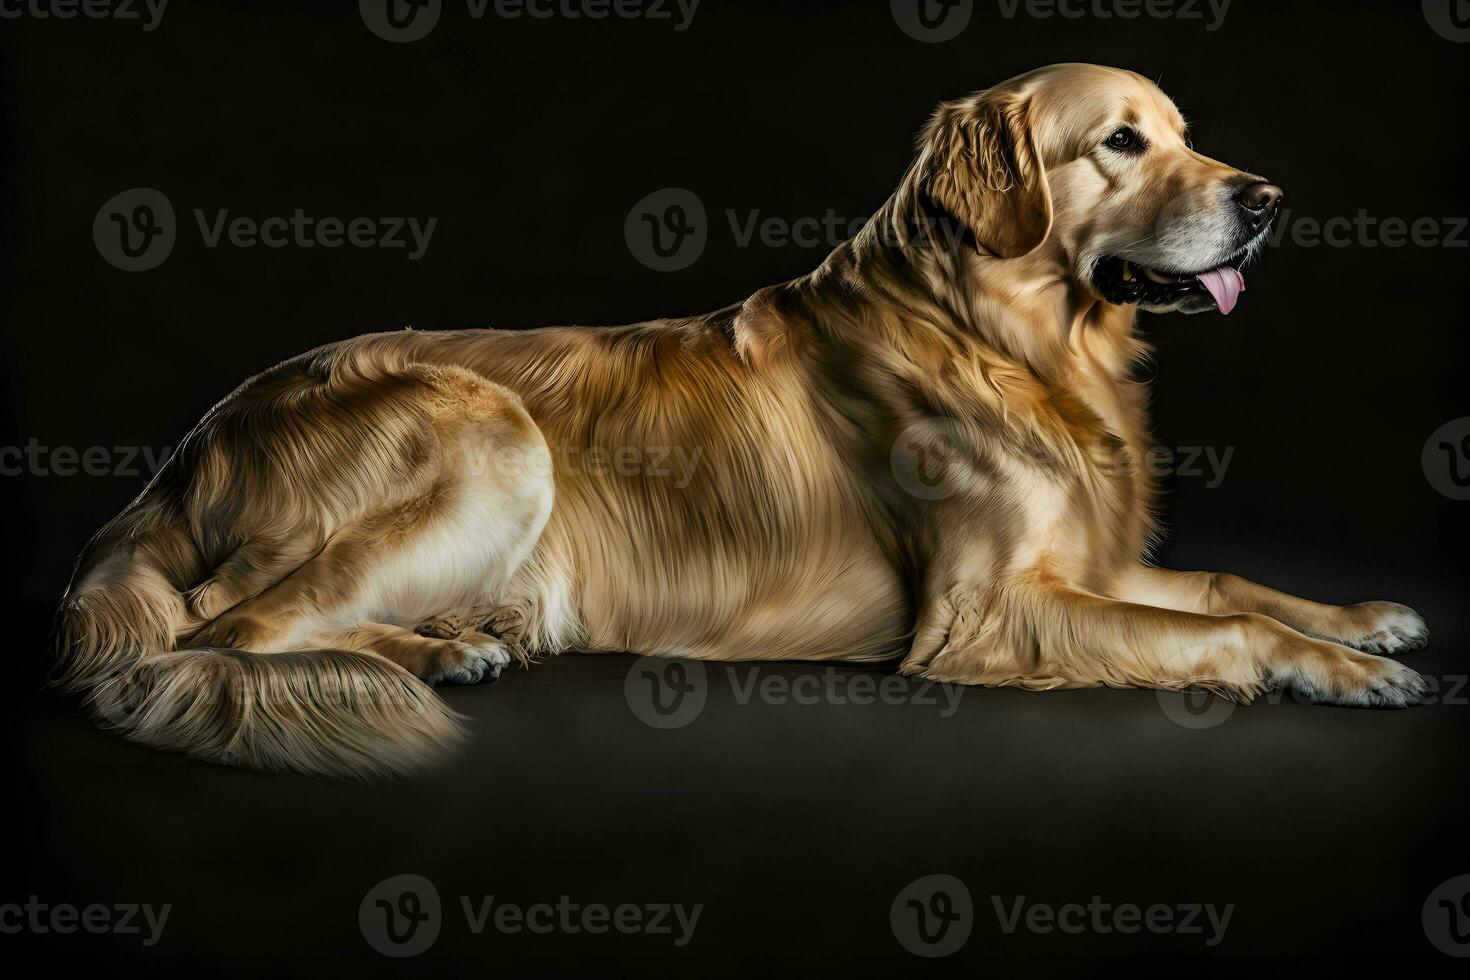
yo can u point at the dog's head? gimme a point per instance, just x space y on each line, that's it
1091 168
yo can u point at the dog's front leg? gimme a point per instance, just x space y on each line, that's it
1039 633
1376 627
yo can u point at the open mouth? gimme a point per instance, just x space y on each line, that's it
1123 281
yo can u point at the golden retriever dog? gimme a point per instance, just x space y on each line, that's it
926 450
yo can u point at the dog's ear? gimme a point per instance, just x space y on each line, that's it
985 170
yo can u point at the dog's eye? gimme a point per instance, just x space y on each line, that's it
1124 139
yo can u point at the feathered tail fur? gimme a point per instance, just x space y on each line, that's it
329 712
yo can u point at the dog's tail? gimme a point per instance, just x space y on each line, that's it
328 712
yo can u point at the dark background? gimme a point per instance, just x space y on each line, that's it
530 140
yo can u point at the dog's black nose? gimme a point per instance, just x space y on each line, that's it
1259 201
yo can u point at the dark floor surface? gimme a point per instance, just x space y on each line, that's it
794 825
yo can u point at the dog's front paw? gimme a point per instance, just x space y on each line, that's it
1386 627
1360 681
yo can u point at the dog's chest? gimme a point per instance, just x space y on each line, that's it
1095 513
1060 483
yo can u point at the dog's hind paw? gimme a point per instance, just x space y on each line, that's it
471 659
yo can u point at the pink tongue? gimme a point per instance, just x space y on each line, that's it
1225 284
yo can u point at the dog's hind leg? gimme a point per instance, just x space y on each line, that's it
449 548
314 517
253 567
